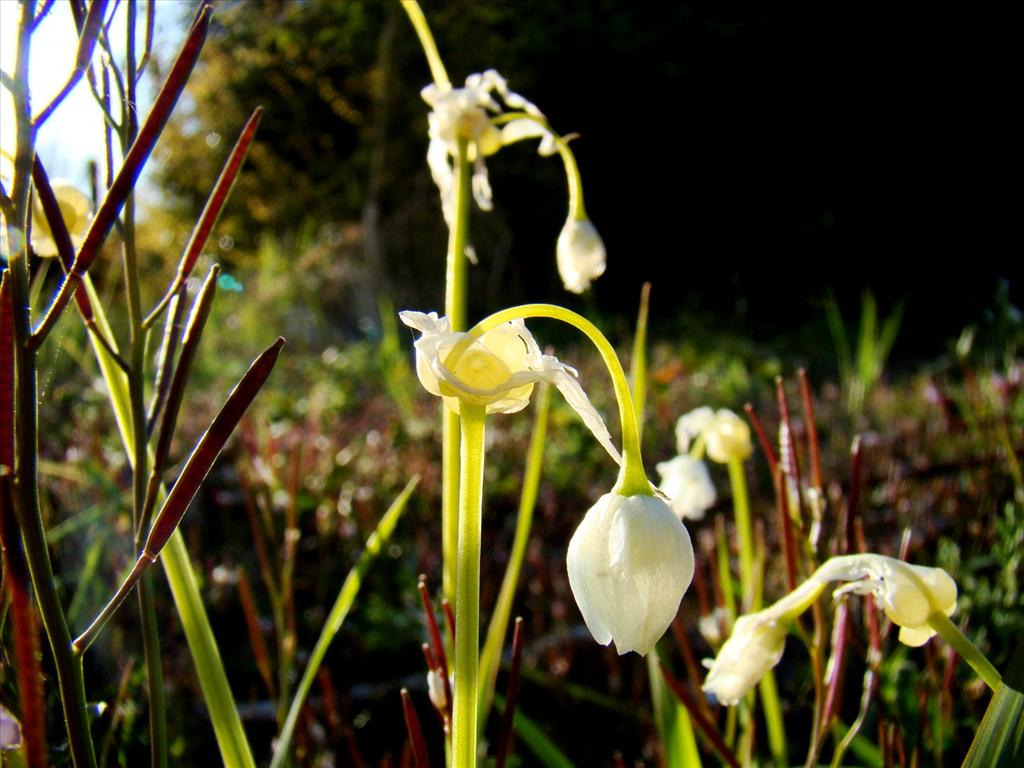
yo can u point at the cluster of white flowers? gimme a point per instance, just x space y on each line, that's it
468 114
631 560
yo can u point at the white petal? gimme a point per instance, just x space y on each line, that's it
692 424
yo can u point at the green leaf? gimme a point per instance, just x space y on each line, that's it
999 742
536 740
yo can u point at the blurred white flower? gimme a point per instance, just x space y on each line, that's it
10 730
580 254
496 370
74 208
465 113
686 482
726 436
754 647
630 562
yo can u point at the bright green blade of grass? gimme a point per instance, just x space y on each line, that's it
496 631
999 742
342 605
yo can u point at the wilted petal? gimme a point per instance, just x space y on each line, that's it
754 647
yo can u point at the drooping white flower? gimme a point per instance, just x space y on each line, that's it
580 254
465 113
908 594
686 482
10 730
630 562
74 208
496 370
726 436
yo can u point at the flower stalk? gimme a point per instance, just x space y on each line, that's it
467 582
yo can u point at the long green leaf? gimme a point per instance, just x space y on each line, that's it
342 605
227 726
999 742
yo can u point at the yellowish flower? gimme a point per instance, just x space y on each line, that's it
726 436
496 370
74 208
630 562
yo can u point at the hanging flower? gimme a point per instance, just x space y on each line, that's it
630 562
725 435
496 370
580 254
909 595
686 482
466 114
75 210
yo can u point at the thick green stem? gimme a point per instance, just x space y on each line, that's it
455 311
524 519
632 478
968 651
467 592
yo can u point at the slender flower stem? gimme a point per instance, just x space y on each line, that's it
419 23
632 478
455 310
968 651
467 593
744 531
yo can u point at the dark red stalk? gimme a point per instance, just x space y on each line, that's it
86 45
786 529
692 668
512 690
252 623
412 724
207 219
206 451
26 631
130 170
435 640
813 448
59 230
762 437
704 725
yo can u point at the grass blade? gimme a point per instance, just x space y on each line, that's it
342 605
543 748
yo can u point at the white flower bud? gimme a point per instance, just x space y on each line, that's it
754 647
687 483
630 563
580 255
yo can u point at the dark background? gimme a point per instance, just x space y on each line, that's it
745 157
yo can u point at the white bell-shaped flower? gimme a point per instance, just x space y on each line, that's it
630 562
74 208
496 370
580 254
686 482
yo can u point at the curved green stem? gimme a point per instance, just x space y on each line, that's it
632 478
968 651
419 23
467 587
